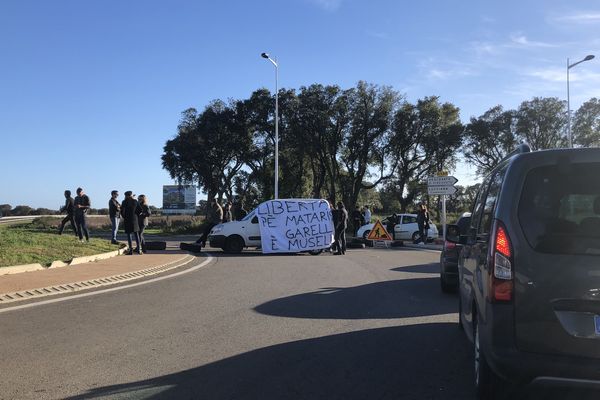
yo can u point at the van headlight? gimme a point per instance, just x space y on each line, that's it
216 229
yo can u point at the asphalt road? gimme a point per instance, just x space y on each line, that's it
369 325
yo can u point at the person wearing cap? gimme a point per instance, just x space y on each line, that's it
82 204
114 212
130 209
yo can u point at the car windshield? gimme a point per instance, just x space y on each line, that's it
249 215
559 209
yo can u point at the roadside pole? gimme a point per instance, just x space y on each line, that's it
444 216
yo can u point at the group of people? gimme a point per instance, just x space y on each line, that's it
217 214
360 217
134 212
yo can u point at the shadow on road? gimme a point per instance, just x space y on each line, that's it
429 361
387 299
433 268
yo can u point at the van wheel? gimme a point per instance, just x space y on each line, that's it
416 236
234 244
445 286
315 252
489 386
366 234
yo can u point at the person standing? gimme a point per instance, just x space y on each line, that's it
82 205
143 218
130 209
215 217
114 212
423 223
227 215
341 224
239 212
367 215
68 208
356 220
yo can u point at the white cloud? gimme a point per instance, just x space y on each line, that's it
521 40
377 35
327 5
580 18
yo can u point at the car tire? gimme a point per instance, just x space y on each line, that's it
315 252
415 236
366 234
488 385
445 286
234 244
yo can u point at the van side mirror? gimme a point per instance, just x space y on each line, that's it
452 233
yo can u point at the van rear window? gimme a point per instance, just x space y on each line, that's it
559 210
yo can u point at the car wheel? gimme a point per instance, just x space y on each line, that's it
315 252
234 244
366 234
460 324
446 288
416 236
489 386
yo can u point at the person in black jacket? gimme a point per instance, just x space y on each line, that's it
357 219
82 204
143 219
130 209
341 224
423 223
114 212
69 208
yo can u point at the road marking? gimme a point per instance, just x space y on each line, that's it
114 289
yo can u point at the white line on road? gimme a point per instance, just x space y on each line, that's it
78 296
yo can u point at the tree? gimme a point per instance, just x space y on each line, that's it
586 124
424 140
322 119
209 149
489 138
21 211
5 209
541 122
366 141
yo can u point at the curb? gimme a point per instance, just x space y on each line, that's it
424 247
28 294
17 269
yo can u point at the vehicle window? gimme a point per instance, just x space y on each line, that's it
559 209
478 206
254 220
250 215
490 201
408 219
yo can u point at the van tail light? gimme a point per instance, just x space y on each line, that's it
449 245
502 272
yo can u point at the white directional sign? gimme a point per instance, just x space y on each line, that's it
439 190
441 181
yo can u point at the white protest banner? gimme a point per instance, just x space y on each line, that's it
294 225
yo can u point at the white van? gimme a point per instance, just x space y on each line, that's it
233 236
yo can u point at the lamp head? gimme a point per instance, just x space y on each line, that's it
265 55
589 57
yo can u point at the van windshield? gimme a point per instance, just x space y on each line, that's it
249 216
559 210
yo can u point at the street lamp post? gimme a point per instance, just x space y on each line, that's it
265 55
569 66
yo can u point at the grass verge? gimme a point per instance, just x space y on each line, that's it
27 245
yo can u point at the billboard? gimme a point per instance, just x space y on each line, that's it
179 199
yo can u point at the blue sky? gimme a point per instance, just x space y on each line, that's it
91 90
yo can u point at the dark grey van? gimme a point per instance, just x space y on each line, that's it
529 272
